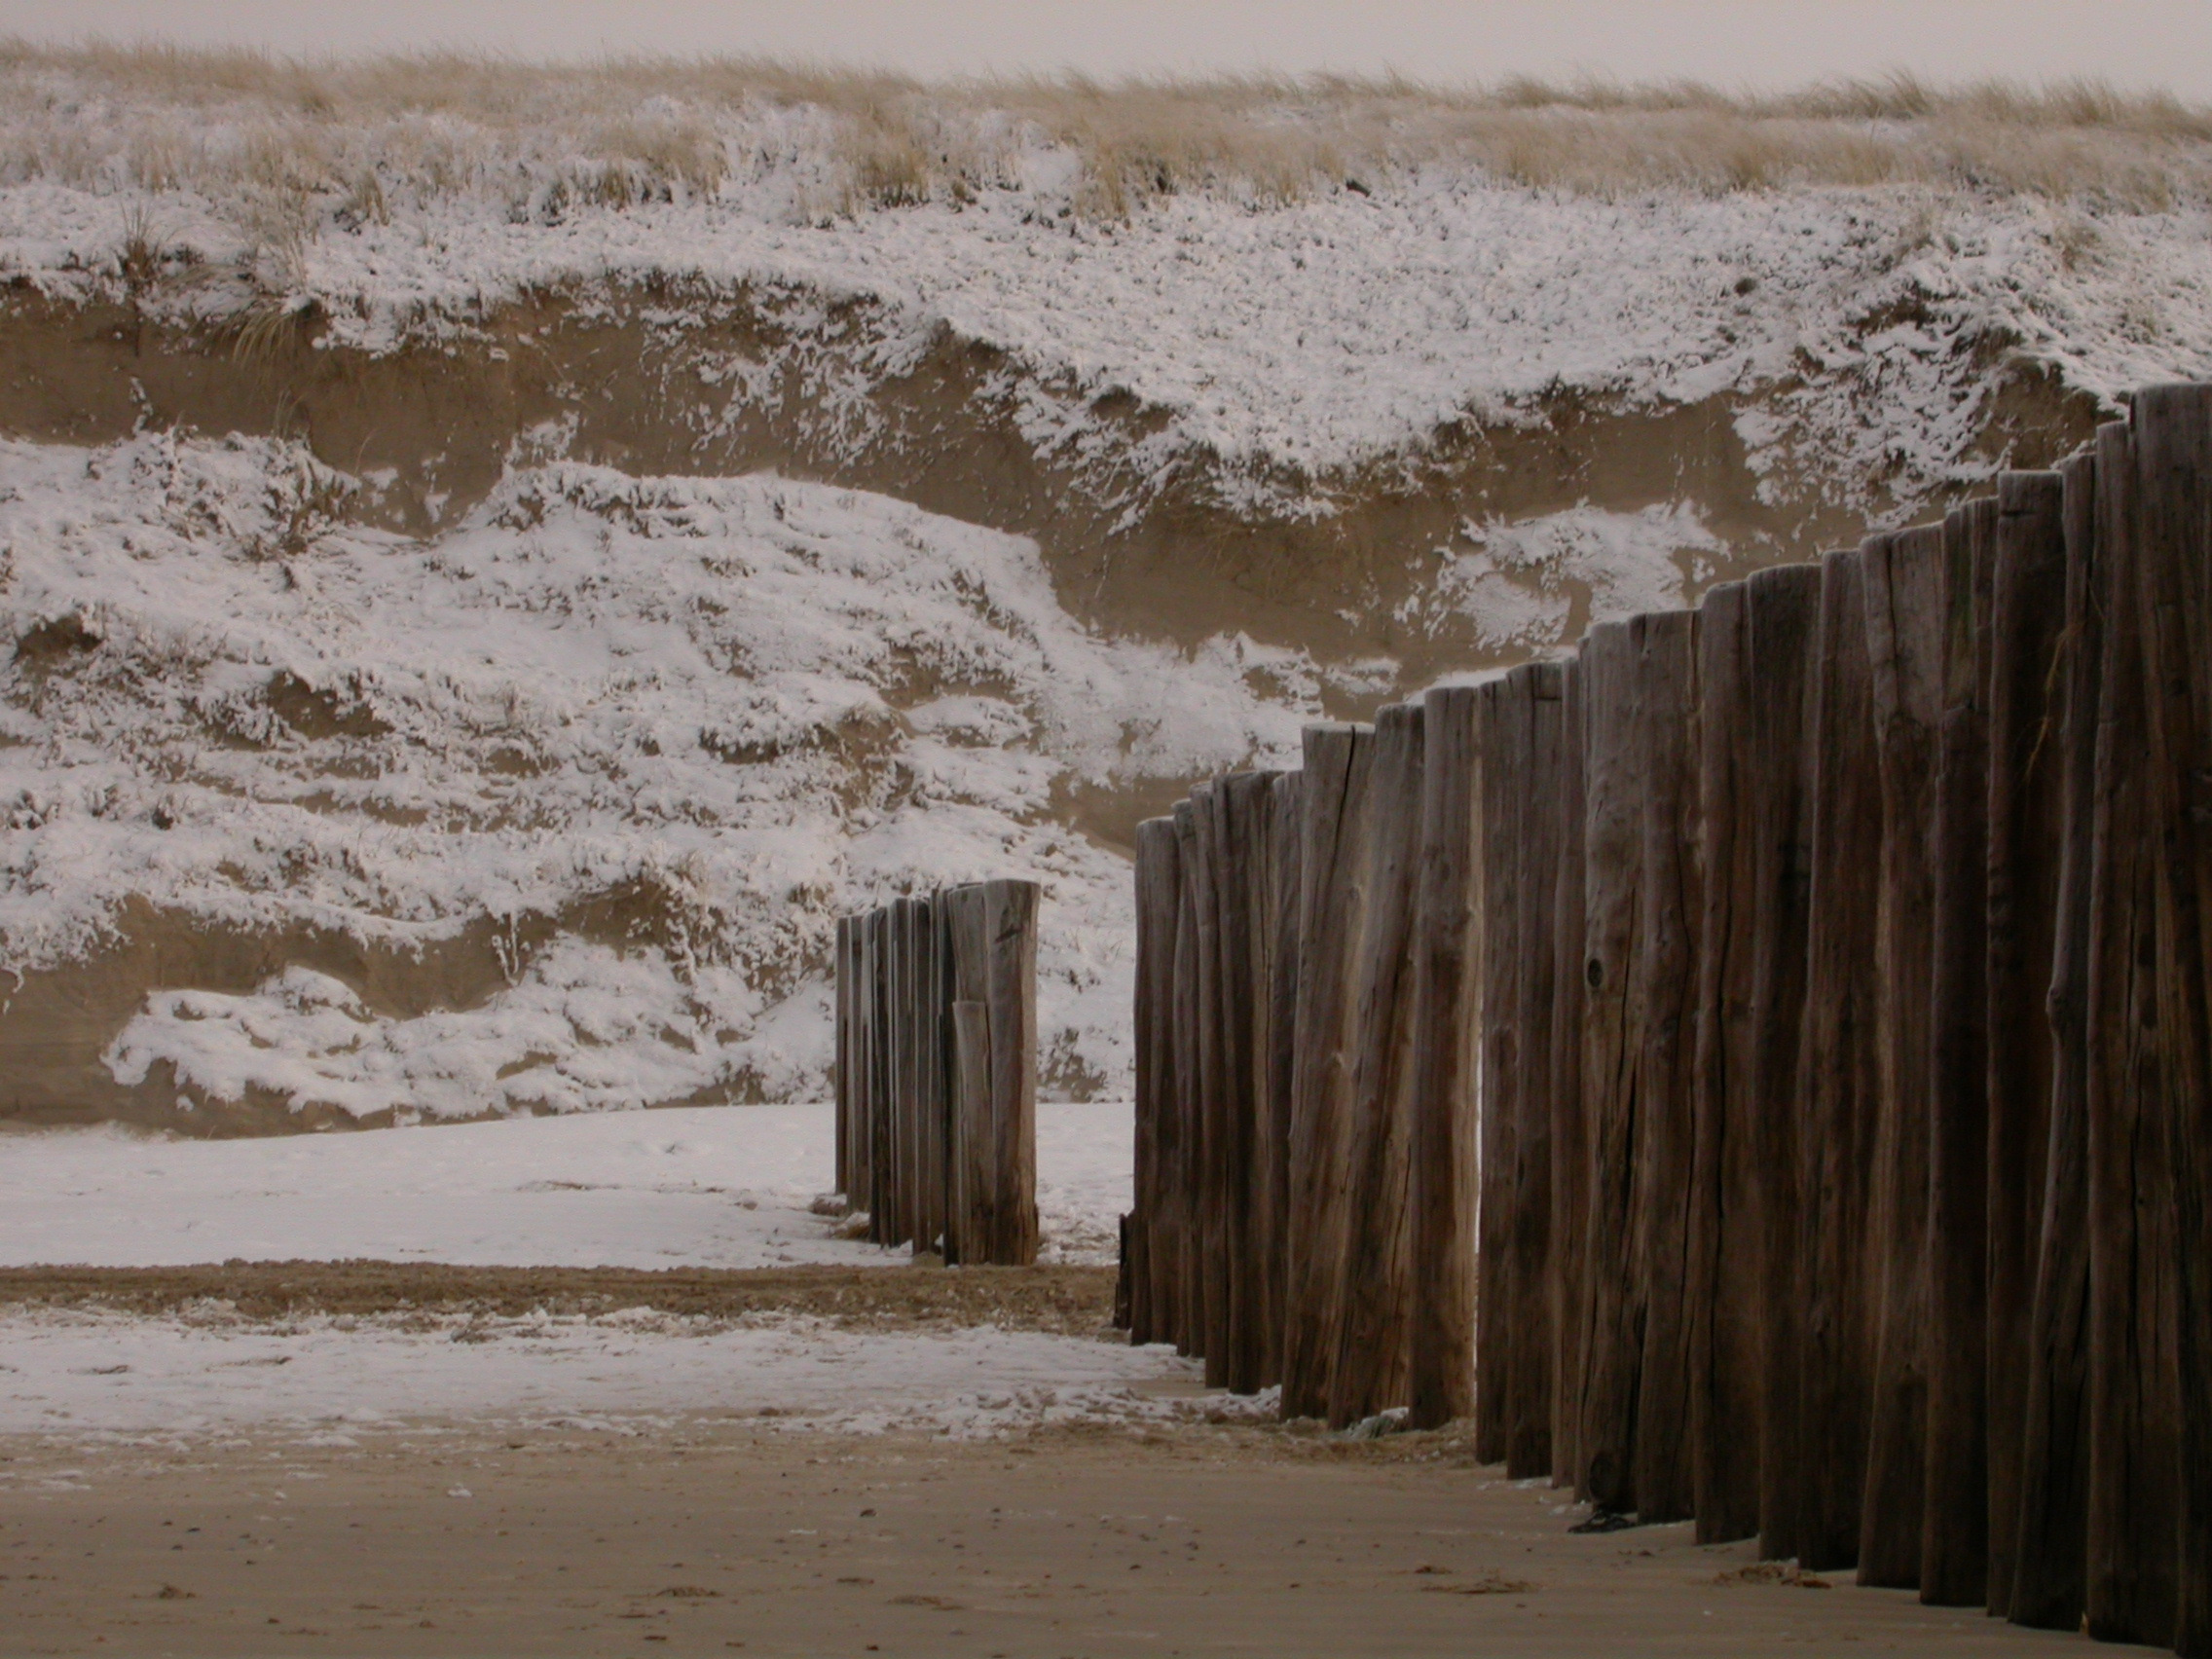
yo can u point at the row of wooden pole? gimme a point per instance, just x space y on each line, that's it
936 1072
1835 961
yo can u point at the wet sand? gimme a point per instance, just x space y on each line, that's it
714 1536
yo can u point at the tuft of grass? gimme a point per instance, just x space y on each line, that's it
287 145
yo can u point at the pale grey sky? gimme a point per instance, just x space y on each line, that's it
2135 43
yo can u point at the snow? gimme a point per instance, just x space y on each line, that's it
705 1186
77 1373
723 712
1297 343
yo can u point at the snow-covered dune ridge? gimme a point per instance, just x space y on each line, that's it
657 733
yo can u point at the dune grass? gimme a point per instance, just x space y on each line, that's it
286 141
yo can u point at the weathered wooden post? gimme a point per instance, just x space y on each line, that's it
1448 967
1334 792
1528 1362
1570 1146
1613 761
2028 782
1503 735
1189 1296
841 1066
1241 804
2133 1523
1375 1286
1663 1004
2173 524
1159 874
1782 623
1725 1222
875 936
1954 1553
1904 646
1205 860
1839 1076
1285 872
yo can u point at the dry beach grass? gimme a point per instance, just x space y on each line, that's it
285 145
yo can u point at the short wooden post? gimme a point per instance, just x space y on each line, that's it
1904 644
2133 1524
883 1186
1954 1554
1724 1187
1375 1294
1782 622
1448 984
1334 812
840 1065
1839 1077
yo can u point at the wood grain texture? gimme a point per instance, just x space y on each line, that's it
1571 1142
1159 874
1663 1004
1448 1000
2027 709
1613 1324
2133 1521
1529 1360
1190 1301
1370 1368
1502 734
1904 641
1725 1229
1839 1078
1954 1555
1782 617
1332 909
2173 561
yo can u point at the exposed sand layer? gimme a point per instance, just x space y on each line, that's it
714 1536
1066 1301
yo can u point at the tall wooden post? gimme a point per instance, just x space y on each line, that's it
1570 1141
1285 869
2133 1526
1448 968
2173 551
1839 1077
1502 734
1528 1362
1333 790
2027 709
1612 870
841 1074
1725 1225
1954 1555
1190 1212
1240 808
1375 1295
1663 1004
1904 644
1159 874
1784 610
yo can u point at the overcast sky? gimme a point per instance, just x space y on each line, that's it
2135 43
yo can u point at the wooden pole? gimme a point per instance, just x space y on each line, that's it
1726 1227
1784 609
1210 1221
2025 827
1011 992
1612 868
1905 646
1663 1008
1502 733
1159 874
1529 1360
2173 552
883 1188
1839 1077
2133 1526
1190 1295
2027 662
1954 1555
1448 988
1570 1149
1332 910
1285 868
840 1071
1375 1294
1240 806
